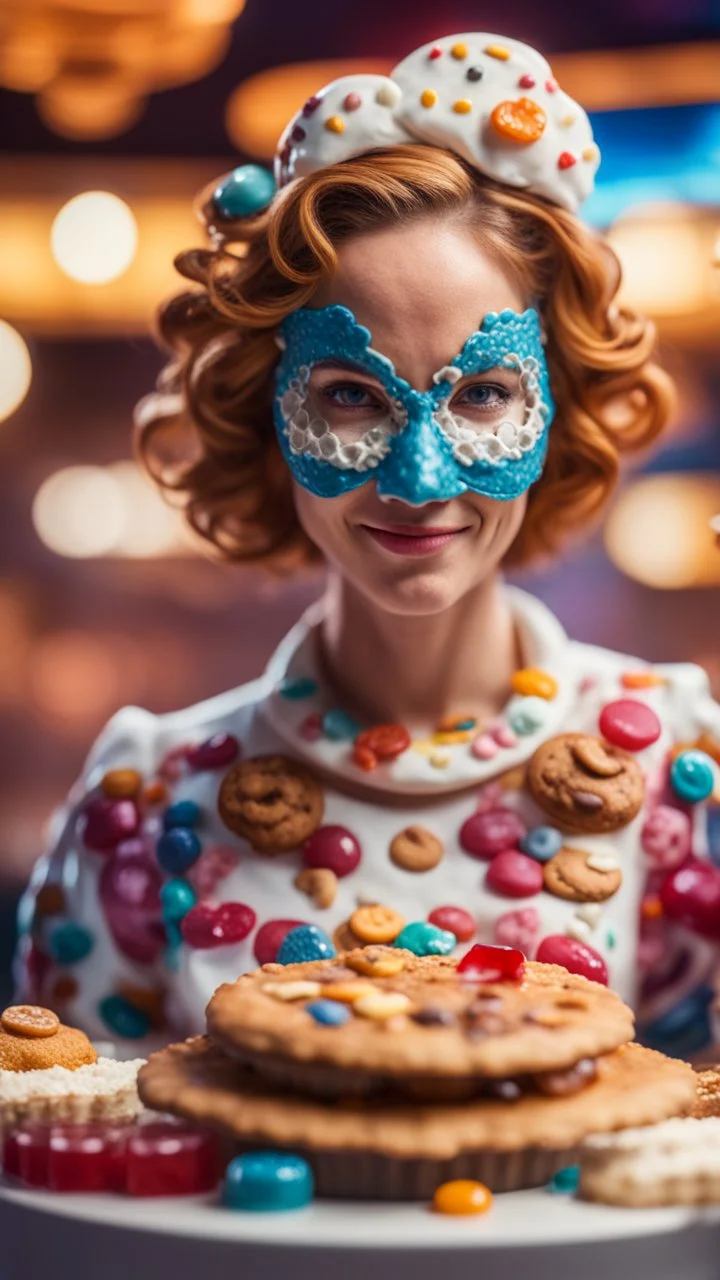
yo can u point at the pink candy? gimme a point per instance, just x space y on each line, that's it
456 920
666 836
629 724
212 867
519 929
216 753
334 848
514 875
691 897
130 897
204 926
576 957
491 831
105 822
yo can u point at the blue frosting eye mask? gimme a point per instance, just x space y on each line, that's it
418 446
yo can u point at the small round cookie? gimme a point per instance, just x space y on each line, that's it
272 802
34 1039
580 876
416 849
584 784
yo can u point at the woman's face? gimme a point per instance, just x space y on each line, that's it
421 290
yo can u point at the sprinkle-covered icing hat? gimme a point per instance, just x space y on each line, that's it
491 100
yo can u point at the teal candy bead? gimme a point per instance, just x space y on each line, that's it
69 942
123 1018
566 1181
692 776
247 190
177 898
425 939
185 813
296 687
527 715
339 726
268 1182
306 942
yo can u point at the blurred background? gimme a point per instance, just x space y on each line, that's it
113 113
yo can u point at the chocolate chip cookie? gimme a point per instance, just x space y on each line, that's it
584 784
581 876
272 802
416 849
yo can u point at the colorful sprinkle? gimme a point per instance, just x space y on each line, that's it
575 956
639 679
383 1005
312 105
483 747
531 682
184 813
527 82
514 875
485 834
268 1182
69 943
629 724
522 121
339 726
425 939
333 847
352 101
435 52
291 991
388 95
462 1198
206 926
459 51
177 898
551 85
565 1181
329 1013
296 687
692 776
216 753
105 822
428 98
177 850
335 124
121 784
365 759
308 942
474 74
455 920
386 741
376 923
497 51
591 153
566 160
311 727
542 843
566 121
123 1018
439 759
298 134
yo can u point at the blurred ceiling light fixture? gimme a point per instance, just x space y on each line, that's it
84 511
94 237
658 531
15 370
92 63
666 251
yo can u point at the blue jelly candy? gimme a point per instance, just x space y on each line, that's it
123 1018
69 942
184 813
565 1181
247 190
542 843
177 850
425 939
268 1182
329 1013
692 776
177 897
296 687
339 726
306 942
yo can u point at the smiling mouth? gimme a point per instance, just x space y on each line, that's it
417 540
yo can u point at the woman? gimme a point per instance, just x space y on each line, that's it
410 365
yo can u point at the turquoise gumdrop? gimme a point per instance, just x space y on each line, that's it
425 939
297 687
692 776
565 1181
268 1182
340 726
123 1019
177 897
184 813
247 190
306 942
70 943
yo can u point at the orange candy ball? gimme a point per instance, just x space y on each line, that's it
462 1198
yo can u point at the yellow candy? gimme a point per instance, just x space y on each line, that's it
335 124
347 992
589 153
497 51
375 964
382 1005
440 759
462 1197
450 737
121 784
530 682
459 51
292 990
376 923
566 121
428 98
462 106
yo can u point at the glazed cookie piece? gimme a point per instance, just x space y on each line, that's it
423 1019
677 1162
404 1150
33 1039
584 784
272 802
581 876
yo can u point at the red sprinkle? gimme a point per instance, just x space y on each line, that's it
332 847
456 920
435 52
365 758
551 85
527 82
220 750
386 740
311 105
311 727
566 160
492 964
691 897
205 926
352 101
629 724
576 957
514 875
270 937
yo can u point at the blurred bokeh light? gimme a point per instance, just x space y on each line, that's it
15 370
94 237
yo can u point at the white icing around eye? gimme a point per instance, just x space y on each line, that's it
316 438
491 442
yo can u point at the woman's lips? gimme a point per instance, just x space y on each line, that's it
409 540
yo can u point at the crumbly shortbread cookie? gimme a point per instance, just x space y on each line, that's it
389 1150
677 1162
585 784
547 1021
104 1090
707 1102
581 876
271 801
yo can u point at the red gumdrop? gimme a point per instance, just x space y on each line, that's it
130 897
270 937
164 1158
220 750
334 848
576 957
492 964
514 875
104 822
456 920
205 926
691 897
485 834
629 724
86 1157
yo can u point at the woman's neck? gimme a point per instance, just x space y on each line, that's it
394 668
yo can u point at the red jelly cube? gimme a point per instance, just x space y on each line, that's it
31 1154
86 1157
492 964
171 1159
11 1155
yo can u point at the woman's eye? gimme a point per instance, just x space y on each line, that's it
350 395
484 395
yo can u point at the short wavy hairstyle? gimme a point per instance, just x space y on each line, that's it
206 435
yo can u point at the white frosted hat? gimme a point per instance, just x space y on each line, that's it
489 99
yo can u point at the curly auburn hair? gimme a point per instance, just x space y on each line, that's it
206 435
